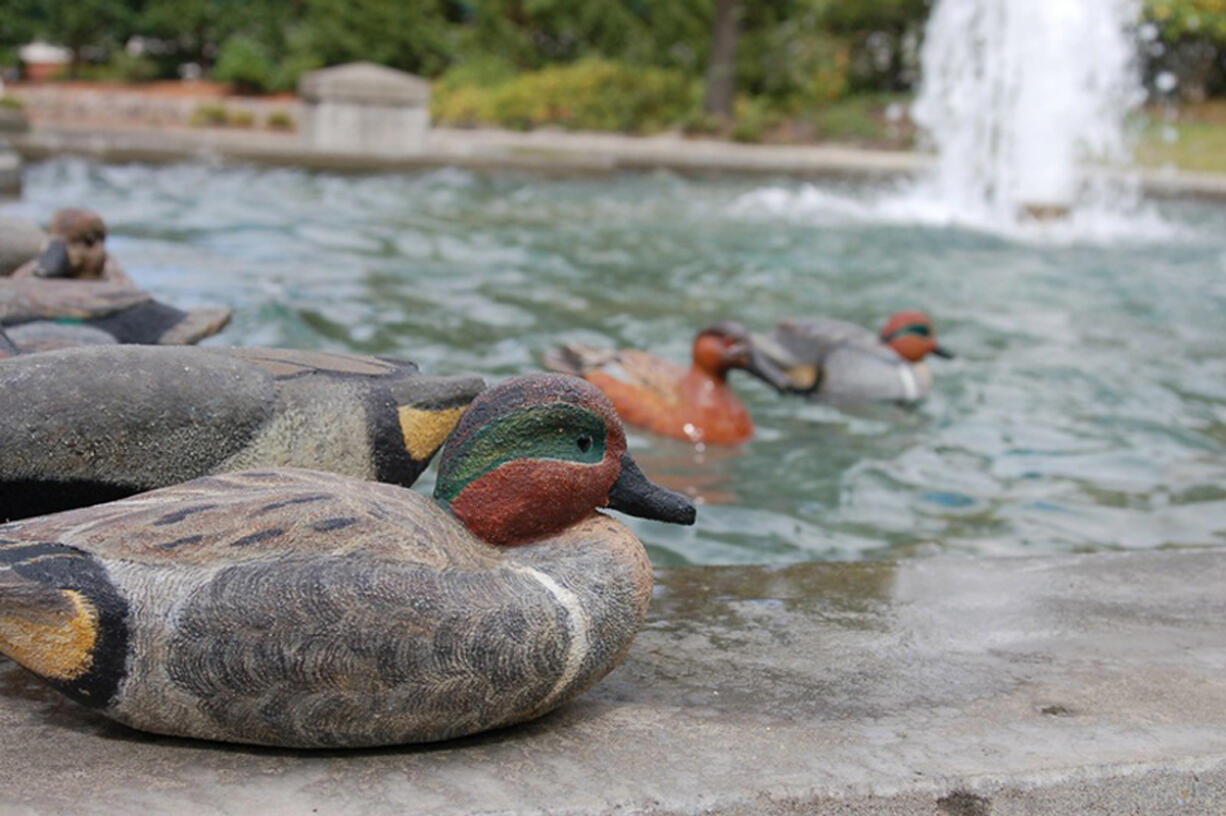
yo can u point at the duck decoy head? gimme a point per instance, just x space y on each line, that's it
77 246
727 345
911 334
538 453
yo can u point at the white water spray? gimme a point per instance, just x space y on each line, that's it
1025 102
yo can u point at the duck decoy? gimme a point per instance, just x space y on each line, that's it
86 425
76 249
54 313
20 240
694 404
310 610
836 361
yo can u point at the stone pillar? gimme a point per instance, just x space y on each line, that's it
365 108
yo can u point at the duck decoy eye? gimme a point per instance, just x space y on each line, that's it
584 442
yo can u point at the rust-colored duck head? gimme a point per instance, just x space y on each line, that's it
726 345
77 246
538 453
911 334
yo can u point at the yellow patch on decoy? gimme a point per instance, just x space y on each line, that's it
56 644
804 376
425 430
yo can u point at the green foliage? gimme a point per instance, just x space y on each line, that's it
589 95
1178 19
210 114
245 63
11 103
281 120
412 36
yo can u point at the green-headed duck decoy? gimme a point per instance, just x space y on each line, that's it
695 403
836 361
76 250
86 425
304 609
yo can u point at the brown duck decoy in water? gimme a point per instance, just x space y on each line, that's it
695 404
304 609
76 249
86 425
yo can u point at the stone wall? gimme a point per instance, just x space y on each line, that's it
120 106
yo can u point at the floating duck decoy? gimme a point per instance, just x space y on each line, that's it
87 425
836 361
694 404
76 249
45 314
309 610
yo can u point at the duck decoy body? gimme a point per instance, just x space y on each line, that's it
86 425
304 609
46 314
694 404
836 361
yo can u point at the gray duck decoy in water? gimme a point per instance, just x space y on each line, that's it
304 609
840 362
86 425
48 314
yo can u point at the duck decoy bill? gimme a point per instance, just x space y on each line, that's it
637 495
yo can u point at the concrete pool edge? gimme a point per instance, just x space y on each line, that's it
542 151
1057 684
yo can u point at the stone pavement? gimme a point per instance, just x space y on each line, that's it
1089 684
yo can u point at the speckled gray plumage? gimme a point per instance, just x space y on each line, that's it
306 609
84 425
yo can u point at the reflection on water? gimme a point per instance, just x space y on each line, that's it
1086 409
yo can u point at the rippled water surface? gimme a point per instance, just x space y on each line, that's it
1086 409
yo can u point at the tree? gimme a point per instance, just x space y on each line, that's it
721 69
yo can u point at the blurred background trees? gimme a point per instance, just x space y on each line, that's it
731 65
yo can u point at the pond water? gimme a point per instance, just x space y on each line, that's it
1086 409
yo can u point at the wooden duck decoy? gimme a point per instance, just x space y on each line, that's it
45 314
836 361
695 403
76 249
304 609
86 425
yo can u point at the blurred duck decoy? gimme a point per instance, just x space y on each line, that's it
694 404
87 425
836 361
310 610
76 250
47 314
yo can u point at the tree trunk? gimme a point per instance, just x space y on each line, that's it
721 70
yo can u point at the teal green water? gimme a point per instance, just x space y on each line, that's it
1086 409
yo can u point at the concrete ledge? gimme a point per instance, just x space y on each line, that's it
1071 685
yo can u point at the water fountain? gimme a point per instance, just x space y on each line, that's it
1024 102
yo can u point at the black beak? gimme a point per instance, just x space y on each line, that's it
765 369
53 263
946 353
637 495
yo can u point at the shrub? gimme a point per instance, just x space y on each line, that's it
241 119
244 62
11 103
210 114
588 95
280 120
